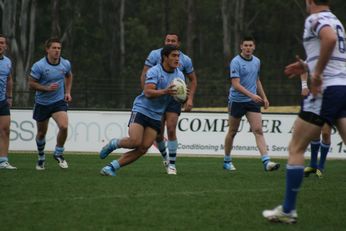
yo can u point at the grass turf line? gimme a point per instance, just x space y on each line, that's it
143 197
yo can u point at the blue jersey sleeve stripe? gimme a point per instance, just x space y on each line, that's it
189 72
34 76
148 63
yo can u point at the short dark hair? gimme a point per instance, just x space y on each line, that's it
3 36
248 38
322 2
167 50
49 42
173 33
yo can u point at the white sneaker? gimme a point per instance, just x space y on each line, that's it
61 161
40 165
278 215
229 166
63 164
171 170
6 165
272 166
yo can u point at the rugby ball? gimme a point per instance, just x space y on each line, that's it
180 86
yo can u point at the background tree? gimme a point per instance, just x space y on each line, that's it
226 29
108 41
190 33
19 24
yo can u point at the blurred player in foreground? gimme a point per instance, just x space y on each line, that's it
324 43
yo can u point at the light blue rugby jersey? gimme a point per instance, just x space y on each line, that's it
5 72
155 107
185 63
248 72
46 73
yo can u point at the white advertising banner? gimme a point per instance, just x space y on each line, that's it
198 133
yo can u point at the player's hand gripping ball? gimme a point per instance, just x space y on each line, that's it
180 86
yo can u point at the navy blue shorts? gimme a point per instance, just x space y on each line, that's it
174 106
239 109
4 108
44 112
333 103
145 121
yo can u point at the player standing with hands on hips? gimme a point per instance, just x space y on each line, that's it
51 78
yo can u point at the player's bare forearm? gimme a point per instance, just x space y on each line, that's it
304 80
34 85
192 85
9 86
68 83
238 87
260 90
142 77
262 95
150 91
304 77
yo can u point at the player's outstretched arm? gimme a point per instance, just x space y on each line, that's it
297 68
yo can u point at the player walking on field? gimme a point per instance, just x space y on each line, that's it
148 109
51 78
6 83
324 43
170 118
246 95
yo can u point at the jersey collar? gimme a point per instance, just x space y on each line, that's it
52 63
250 59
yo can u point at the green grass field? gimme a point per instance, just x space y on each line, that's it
142 197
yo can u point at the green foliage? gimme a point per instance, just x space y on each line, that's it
91 32
143 197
